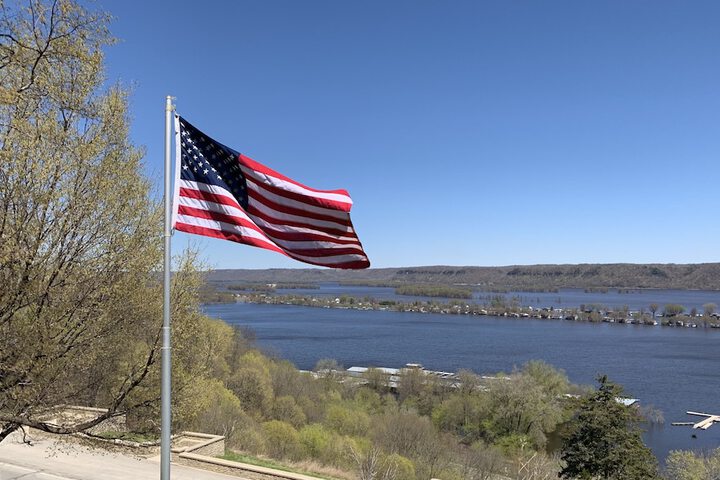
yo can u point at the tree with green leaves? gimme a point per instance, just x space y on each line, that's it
604 439
80 249
673 309
686 465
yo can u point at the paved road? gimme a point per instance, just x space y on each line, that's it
48 459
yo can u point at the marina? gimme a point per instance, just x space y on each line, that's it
707 421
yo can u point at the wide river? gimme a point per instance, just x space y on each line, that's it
673 369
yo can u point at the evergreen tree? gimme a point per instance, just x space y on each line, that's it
604 440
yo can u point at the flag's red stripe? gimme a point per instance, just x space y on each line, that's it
296 211
298 236
325 252
320 251
354 265
259 189
220 217
253 211
302 236
309 199
212 197
235 237
249 162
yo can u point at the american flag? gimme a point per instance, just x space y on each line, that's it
223 194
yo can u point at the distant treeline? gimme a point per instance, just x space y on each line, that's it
516 289
210 294
434 291
270 288
704 276
296 286
252 288
369 283
606 290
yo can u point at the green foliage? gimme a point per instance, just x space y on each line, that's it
434 291
479 462
604 439
264 462
80 301
553 382
283 441
411 383
514 444
407 434
252 438
684 465
526 404
330 371
370 401
403 468
520 405
286 409
252 384
347 420
376 379
464 415
222 412
287 380
315 440
672 310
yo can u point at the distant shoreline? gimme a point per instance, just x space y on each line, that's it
465 308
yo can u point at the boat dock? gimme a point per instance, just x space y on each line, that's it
708 421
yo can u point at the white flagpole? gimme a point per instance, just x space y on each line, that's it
165 390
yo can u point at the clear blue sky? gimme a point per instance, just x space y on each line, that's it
467 132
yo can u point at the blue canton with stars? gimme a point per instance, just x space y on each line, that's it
204 160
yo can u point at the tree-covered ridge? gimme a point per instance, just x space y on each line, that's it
704 276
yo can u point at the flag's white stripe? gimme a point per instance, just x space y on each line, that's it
309 222
236 212
292 187
239 212
204 187
248 232
224 227
289 202
331 260
262 223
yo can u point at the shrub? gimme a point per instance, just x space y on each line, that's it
315 440
346 421
282 440
287 410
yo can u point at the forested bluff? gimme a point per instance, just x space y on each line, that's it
702 276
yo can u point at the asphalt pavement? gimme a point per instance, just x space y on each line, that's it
50 459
